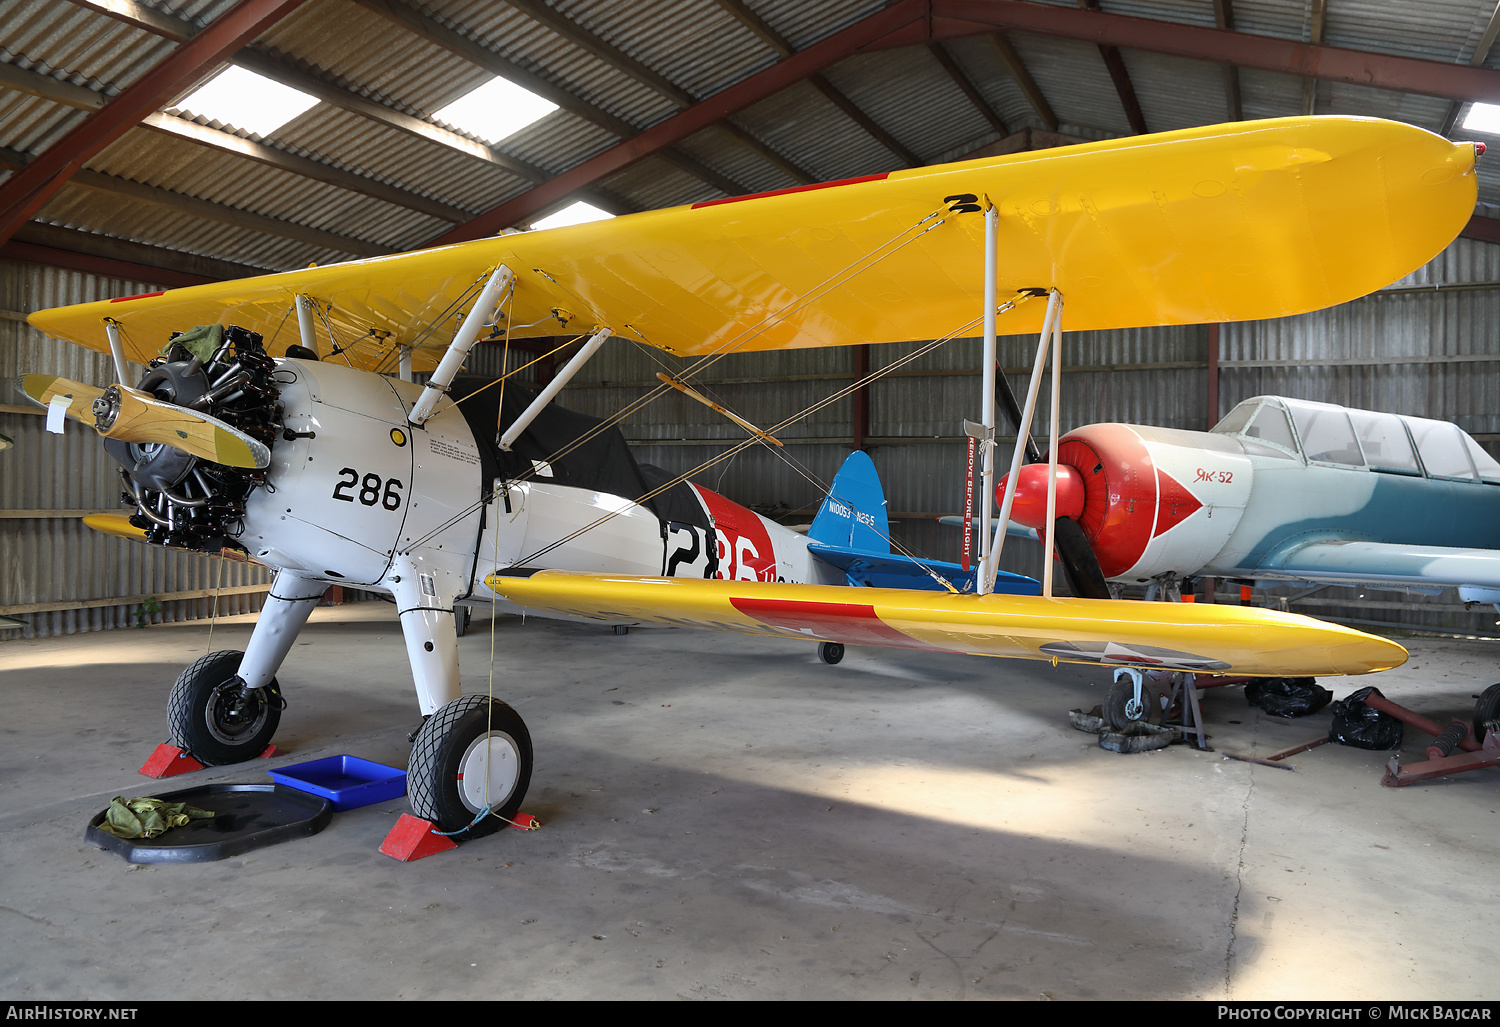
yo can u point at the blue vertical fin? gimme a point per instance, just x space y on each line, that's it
851 532
853 513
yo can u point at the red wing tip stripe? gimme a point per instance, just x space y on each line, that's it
139 296
793 189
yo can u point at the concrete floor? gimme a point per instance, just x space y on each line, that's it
725 817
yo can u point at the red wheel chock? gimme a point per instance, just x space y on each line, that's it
169 761
412 838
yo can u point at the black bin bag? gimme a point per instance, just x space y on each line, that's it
1287 697
1362 726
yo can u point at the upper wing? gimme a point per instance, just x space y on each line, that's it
1386 563
1170 636
1224 223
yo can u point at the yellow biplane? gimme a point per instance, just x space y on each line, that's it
342 470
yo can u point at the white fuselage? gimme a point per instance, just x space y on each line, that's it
361 496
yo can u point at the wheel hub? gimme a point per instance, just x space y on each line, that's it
488 772
234 713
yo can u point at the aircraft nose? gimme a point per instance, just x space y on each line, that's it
1030 506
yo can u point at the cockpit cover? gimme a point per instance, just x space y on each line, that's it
565 447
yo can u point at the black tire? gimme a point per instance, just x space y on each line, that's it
445 776
1487 708
830 652
217 724
461 617
1119 705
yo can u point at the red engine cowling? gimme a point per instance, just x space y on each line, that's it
1125 486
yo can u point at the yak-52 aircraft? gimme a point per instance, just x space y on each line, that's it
337 471
1282 490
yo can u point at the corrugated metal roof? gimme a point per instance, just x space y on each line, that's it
76 44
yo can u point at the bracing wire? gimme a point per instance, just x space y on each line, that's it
834 280
754 440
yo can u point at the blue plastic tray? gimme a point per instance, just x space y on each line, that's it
347 782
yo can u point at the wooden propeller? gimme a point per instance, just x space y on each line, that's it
120 412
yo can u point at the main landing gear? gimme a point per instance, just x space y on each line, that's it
470 766
471 760
212 715
1132 700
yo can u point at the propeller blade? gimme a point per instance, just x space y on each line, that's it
1085 577
120 412
1013 411
116 524
1080 565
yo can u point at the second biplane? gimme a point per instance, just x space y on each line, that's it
447 493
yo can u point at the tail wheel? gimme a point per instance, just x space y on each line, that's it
210 715
830 652
471 756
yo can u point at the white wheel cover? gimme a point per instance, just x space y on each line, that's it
487 774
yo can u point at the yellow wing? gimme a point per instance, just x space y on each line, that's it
1153 636
1224 223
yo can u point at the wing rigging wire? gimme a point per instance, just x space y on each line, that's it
834 280
754 440
332 339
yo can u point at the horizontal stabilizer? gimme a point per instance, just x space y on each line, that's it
1160 636
1012 529
892 571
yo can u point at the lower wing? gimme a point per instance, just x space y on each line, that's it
1163 636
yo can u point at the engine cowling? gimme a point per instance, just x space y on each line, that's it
1153 500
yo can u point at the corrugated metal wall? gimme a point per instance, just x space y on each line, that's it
48 558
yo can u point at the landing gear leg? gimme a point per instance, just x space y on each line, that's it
471 762
226 706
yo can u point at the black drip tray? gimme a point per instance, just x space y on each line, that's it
246 817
